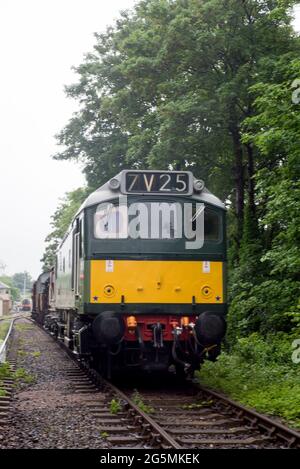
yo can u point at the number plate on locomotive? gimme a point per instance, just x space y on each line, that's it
157 182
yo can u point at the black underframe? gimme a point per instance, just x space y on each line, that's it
174 309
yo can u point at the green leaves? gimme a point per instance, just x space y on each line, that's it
60 223
259 373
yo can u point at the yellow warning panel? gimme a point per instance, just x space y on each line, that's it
156 281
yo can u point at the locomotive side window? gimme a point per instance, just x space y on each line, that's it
60 262
81 244
77 250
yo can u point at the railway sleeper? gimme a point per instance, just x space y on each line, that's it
224 442
116 429
198 423
213 431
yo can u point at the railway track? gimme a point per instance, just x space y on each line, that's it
186 415
179 415
189 416
6 383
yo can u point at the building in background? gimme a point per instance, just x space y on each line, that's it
5 299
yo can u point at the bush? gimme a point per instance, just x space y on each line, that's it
264 308
259 373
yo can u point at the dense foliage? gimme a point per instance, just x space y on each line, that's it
20 278
60 222
266 283
15 291
205 85
259 373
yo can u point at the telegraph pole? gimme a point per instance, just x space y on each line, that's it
2 267
24 285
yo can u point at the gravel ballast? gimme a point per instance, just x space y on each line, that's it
45 410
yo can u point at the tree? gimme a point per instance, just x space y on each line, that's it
275 132
61 220
269 302
15 292
18 280
167 87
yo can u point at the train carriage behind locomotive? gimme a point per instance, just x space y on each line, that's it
140 301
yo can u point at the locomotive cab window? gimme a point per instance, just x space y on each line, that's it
154 222
212 226
142 220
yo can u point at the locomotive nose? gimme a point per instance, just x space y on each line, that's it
210 328
108 328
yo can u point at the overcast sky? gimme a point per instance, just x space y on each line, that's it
39 43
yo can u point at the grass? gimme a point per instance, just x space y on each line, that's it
22 376
115 406
137 399
23 327
260 374
22 353
5 372
197 405
4 326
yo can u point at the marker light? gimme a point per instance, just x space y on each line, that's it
198 185
185 321
114 184
131 323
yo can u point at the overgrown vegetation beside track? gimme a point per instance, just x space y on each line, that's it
4 367
4 326
5 373
259 372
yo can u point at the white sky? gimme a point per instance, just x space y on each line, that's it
39 43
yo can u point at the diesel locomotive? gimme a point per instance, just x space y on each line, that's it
26 305
140 277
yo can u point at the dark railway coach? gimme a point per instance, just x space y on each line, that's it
139 281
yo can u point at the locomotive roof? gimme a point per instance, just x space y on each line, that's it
105 193
41 280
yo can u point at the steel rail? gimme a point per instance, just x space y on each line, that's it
150 422
4 343
273 428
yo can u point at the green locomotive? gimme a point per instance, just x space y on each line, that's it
140 276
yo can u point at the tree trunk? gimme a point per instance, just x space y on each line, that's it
238 169
251 184
239 182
